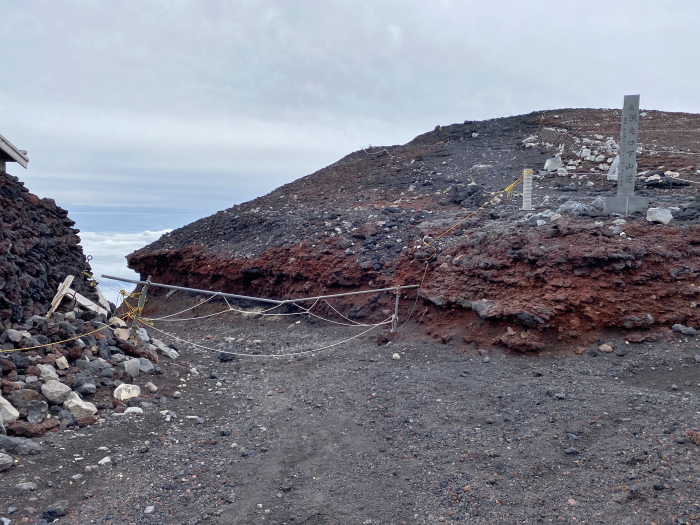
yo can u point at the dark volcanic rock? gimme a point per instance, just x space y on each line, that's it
38 249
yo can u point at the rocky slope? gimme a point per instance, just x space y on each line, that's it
362 222
38 248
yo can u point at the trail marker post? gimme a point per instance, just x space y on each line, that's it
527 189
626 202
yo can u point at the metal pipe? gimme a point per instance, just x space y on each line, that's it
273 301
353 293
182 288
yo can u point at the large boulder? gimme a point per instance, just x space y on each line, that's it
19 446
21 398
9 413
56 392
84 383
662 215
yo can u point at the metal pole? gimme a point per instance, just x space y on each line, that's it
274 301
395 319
182 288
142 300
527 189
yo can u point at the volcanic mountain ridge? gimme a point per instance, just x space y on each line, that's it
378 217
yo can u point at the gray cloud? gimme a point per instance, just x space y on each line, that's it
185 107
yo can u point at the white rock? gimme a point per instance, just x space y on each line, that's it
8 412
167 351
6 462
662 215
134 410
540 222
396 356
584 153
600 158
46 370
55 391
619 222
80 408
126 391
562 172
553 164
122 333
62 363
105 461
612 172
132 367
151 387
149 509
142 335
555 217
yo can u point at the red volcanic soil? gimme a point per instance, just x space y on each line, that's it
503 276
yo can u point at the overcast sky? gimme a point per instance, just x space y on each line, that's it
145 115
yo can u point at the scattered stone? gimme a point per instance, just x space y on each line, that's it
78 407
122 334
28 486
571 451
164 349
145 366
55 392
685 330
134 410
20 399
105 461
151 387
132 367
57 510
19 446
6 462
553 164
84 383
37 411
396 356
62 363
8 413
662 215
697 358
605 348
126 391
149 509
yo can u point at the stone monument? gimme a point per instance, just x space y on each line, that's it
626 202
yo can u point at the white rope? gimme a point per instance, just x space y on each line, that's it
294 354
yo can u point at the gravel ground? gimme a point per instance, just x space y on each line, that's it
353 435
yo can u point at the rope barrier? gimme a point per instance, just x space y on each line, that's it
507 190
293 354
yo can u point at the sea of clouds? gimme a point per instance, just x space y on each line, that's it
109 250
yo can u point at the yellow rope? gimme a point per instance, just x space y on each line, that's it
116 321
509 194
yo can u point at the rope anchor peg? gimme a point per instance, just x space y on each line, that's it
395 317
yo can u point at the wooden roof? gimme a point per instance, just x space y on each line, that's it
8 153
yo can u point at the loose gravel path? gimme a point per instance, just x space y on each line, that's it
353 435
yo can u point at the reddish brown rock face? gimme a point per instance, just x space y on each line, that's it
373 218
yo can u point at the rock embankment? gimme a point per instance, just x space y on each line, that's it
564 268
75 367
38 248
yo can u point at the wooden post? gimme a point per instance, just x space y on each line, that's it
395 319
142 300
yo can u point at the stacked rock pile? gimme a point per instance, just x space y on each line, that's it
75 366
38 249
